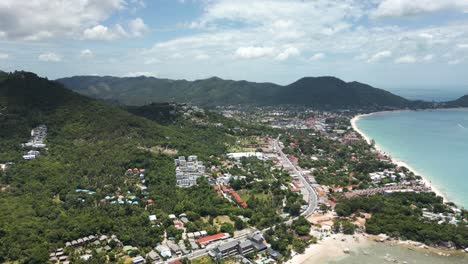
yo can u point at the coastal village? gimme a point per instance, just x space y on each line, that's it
306 169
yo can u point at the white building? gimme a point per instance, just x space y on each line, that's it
239 155
188 171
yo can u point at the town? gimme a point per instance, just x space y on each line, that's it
270 196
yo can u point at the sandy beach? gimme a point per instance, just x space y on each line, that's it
399 163
331 247
334 247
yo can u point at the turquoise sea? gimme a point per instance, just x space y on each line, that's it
433 142
377 253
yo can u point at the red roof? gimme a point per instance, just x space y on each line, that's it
208 239
294 189
238 198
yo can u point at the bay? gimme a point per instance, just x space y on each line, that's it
433 142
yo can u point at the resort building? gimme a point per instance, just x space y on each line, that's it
188 171
240 247
213 238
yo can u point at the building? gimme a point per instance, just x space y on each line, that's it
239 247
38 135
238 199
138 260
32 154
210 239
164 251
188 171
174 247
226 250
152 256
239 155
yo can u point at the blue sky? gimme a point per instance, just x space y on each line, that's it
386 43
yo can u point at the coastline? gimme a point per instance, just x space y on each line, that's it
331 247
396 161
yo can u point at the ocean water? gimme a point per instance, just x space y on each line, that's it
431 94
434 143
376 253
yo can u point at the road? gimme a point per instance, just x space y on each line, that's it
312 206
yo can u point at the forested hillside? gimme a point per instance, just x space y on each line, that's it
320 92
90 146
460 102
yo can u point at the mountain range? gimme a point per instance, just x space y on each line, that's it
320 92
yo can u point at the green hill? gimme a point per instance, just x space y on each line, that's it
321 92
460 102
333 92
90 146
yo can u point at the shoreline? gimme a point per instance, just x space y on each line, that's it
396 161
333 247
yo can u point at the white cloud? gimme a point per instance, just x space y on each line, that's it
407 59
243 29
202 56
380 56
398 8
137 27
49 57
462 46
138 74
42 19
86 54
254 52
149 61
100 32
4 56
176 55
317 56
428 57
454 61
287 53
426 35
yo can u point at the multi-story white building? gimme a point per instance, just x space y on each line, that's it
188 171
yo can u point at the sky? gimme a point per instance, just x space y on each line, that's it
386 43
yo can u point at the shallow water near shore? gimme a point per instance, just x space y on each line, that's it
434 143
386 253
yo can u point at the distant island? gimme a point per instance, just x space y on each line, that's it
317 92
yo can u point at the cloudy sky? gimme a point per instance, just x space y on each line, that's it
386 43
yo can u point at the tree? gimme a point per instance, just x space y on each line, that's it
227 228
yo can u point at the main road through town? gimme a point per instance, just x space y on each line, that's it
312 206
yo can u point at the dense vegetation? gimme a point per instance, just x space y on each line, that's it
400 215
320 92
90 146
283 238
335 163
262 191
460 102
